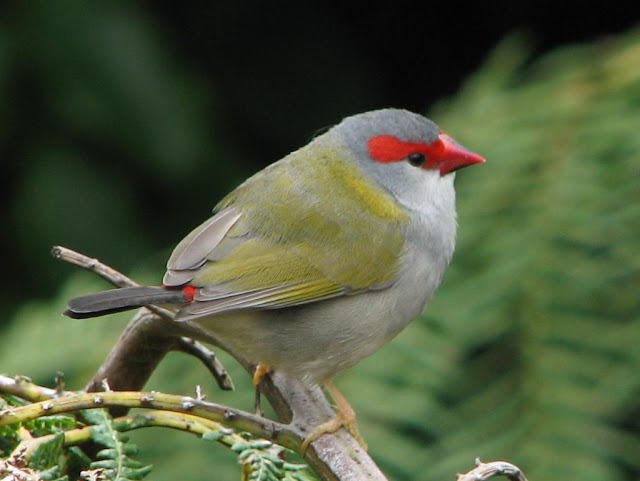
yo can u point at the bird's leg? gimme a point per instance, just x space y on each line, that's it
258 374
345 416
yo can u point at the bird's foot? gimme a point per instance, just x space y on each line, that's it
345 416
258 374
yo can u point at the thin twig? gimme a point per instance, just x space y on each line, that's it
94 265
184 344
209 359
109 274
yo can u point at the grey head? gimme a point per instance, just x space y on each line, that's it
392 146
402 124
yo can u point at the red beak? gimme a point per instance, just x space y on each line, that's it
453 156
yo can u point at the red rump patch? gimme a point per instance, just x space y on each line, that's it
189 292
387 148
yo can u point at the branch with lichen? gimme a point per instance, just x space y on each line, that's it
282 434
254 454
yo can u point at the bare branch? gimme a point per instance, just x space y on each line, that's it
94 265
209 359
109 274
484 471
183 344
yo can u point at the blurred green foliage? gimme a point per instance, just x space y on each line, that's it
107 140
528 353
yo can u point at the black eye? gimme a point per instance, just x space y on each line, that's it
417 159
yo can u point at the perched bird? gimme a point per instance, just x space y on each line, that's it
321 258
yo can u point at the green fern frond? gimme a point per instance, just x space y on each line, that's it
116 461
46 455
264 461
53 474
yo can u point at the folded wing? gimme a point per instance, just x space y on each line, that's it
288 237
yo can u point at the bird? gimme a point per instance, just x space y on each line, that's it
321 258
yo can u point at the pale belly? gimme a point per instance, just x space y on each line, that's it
315 341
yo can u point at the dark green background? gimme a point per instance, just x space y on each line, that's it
122 124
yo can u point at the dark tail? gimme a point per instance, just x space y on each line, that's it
116 300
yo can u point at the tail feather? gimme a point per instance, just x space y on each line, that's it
116 300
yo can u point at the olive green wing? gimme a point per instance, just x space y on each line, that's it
288 237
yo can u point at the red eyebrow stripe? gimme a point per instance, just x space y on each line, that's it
387 148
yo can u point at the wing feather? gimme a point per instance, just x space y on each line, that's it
215 302
194 249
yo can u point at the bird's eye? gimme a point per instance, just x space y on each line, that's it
417 159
